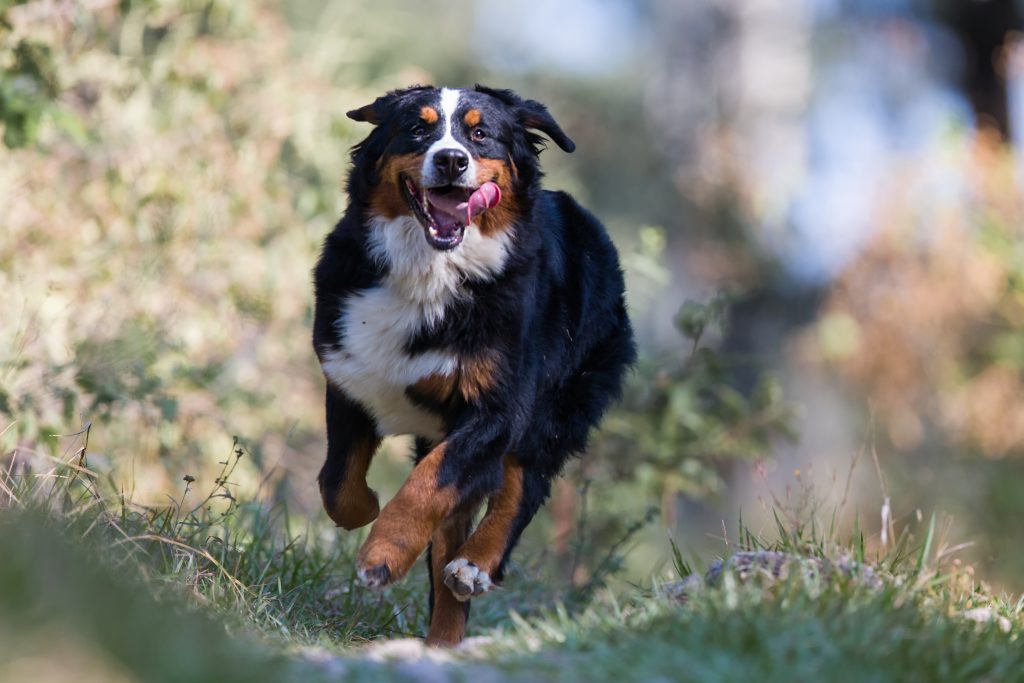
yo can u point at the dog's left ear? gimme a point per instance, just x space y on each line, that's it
533 115
536 116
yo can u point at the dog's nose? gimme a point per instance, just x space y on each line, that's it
451 162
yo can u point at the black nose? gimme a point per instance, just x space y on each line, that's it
451 162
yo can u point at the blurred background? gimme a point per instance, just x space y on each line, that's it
818 205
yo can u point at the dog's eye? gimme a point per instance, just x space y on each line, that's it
418 130
479 134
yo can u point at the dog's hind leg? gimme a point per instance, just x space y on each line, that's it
480 563
448 616
351 442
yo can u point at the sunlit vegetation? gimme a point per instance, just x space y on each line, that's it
167 171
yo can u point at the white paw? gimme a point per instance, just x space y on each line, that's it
466 580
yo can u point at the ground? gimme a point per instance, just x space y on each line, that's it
241 593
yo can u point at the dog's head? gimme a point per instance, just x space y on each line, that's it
451 158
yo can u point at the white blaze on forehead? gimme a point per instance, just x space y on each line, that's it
449 105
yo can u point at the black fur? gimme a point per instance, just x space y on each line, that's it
554 318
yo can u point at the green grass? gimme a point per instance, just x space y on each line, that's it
212 588
291 579
801 631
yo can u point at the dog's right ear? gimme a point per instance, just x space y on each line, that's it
378 110
367 113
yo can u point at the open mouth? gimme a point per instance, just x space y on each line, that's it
444 212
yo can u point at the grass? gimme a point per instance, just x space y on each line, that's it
291 579
133 578
838 615
800 631
213 588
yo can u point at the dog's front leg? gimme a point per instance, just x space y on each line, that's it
351 442
479 563
455 472
407 522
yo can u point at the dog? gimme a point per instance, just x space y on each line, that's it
458 302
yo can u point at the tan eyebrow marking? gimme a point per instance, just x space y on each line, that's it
472 117
429 114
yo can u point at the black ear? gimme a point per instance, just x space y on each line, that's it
535 115
377 111
368 113
532 115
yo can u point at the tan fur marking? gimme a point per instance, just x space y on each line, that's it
477 375
386 198
429 115
472 118
487 544
448 619
407 522
435 388
501 217
354 503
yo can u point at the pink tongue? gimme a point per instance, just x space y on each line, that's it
484 197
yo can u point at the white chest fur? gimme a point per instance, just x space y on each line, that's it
371 365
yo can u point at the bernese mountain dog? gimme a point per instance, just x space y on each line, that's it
458 302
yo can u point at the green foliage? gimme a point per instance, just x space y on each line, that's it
28 84
681 418
603 560
120 368
180 166
682 568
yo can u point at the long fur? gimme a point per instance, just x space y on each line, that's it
522 331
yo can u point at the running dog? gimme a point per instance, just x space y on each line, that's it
458 302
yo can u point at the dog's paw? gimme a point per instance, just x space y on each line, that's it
466 580
374 577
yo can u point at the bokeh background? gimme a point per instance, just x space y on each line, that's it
818 204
